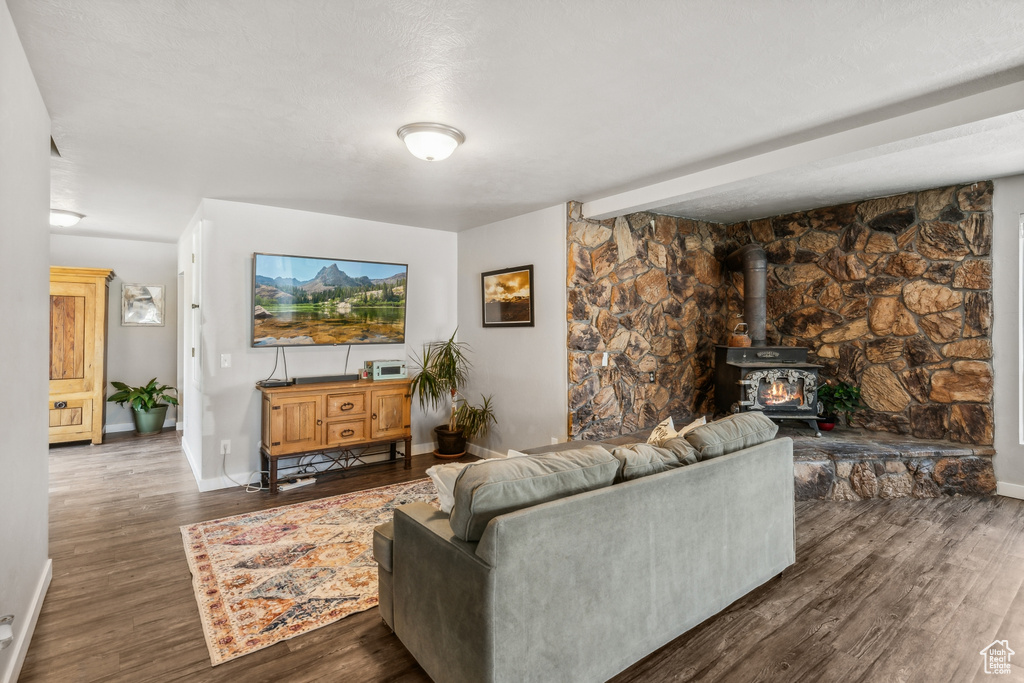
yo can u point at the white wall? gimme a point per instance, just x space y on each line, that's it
524 368
24 260
1007 206
134 354
231 232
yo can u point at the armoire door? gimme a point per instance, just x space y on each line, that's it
72 337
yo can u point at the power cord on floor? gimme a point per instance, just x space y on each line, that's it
250 487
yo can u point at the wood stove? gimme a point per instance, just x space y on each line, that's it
777 380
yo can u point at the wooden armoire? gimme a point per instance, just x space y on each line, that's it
78 353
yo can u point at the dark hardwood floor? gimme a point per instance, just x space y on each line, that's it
901 590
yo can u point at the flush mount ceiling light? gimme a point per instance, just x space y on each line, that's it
431 141
64 219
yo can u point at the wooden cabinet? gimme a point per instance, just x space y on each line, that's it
78 376
333 417
295 424
391 411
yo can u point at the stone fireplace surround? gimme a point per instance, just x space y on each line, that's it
893 294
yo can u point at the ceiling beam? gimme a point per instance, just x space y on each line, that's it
929 121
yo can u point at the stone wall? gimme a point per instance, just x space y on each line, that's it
649 291
892 294
894 477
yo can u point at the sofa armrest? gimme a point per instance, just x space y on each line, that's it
436 523
442 597
383 544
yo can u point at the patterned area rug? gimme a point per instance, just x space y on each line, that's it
271 575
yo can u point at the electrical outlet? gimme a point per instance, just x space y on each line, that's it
225 360
225 447
604 359
650 377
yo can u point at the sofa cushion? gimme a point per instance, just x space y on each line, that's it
732 433
642 459
496 487
563 446
383 545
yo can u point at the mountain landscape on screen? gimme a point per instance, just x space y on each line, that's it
342 302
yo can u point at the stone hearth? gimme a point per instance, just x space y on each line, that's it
854 464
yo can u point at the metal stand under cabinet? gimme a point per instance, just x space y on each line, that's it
343 421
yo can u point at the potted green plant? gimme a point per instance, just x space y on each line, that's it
148 402
837 398
442 372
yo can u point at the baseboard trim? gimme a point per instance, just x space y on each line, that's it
481 452
422 448
224 482
24 635
192 463
130 426
1009 490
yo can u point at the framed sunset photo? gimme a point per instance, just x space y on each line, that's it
508 297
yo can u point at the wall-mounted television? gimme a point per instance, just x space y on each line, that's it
313 301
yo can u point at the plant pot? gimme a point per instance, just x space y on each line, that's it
150 421
827 425
450 444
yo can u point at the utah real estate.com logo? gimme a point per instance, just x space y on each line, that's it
997 657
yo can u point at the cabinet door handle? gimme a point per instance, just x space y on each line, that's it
348 406
348 432
374 416
60 404
319 422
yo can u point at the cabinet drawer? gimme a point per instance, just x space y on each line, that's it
71 413
341 405
345 431
71 416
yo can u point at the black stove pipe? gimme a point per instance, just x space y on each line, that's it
752 260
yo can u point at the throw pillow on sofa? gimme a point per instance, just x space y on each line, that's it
444 477
693 425
662 433
499 486
731 434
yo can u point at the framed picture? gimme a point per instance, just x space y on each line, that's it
142 305
508 297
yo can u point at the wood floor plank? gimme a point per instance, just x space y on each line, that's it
898 590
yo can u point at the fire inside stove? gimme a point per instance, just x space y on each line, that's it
781 392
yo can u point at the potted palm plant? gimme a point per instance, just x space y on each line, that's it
148 402
837 398
442 372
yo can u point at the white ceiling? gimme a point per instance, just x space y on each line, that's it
156 104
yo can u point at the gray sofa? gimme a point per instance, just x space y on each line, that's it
581 587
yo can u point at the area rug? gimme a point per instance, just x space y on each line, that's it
268 576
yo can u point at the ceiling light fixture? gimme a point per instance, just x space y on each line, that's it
64 219
431 141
